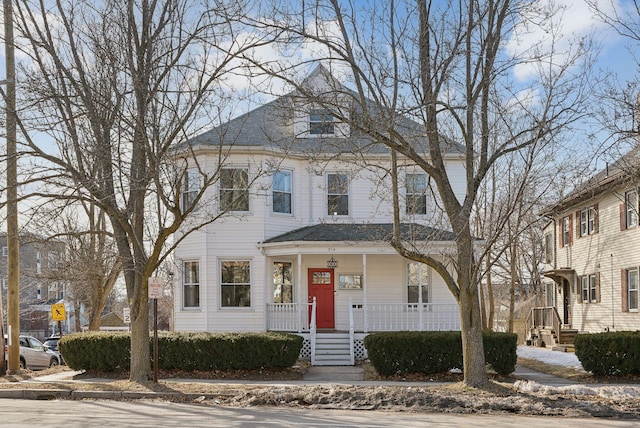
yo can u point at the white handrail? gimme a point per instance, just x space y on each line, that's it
312 331
351 332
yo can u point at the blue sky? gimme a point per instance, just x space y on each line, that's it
577 20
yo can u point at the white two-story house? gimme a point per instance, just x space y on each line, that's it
303 245
591 252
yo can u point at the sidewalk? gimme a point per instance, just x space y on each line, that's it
316 375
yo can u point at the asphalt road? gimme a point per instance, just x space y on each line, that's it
65 413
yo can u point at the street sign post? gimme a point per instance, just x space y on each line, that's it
156 291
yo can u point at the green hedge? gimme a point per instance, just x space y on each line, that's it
184 351
611 353
435 351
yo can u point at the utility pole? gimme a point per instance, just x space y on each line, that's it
13 246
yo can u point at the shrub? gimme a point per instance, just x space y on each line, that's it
435 351
185 351
611 353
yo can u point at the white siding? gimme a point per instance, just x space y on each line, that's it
605 253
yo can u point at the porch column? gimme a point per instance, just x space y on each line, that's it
299 292
365 326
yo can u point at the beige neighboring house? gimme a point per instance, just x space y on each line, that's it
303 245
592 258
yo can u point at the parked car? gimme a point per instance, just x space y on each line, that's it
33 354
52 344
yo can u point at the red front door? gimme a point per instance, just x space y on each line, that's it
321 287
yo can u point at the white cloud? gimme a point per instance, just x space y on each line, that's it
549 31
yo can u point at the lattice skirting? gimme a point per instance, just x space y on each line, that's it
358 347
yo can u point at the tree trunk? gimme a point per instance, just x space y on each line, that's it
473 361
140 354
474 369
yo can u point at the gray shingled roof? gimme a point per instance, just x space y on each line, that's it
621 170
271 125
370 232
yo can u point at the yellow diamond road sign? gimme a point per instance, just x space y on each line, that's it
57 312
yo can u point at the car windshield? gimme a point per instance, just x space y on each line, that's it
51 343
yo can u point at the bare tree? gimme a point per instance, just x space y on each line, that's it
117 87
445 66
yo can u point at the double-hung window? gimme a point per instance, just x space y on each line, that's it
417 283
631 208
548 248
416 193
235 284
588 221
566 231
234 189
589 288
191 284
632 290
190 188
282 286
321 121
281 188
337 194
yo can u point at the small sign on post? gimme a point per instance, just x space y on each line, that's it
156 290
126 315
58 312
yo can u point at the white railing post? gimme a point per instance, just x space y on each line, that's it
351 330
312 331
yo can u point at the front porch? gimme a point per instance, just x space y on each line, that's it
330 347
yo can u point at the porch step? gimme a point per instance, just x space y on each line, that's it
332 349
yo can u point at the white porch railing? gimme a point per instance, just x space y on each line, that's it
294 317
291 317
407 317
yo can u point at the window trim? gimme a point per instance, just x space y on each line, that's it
425 288
632 216
223 190
190 188
184 284
290 192
548 248
410 208
223 284
629 290
273 287
325 121
589 288
587 218
347 194
565 231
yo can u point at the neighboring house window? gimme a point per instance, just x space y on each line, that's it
282 192
4 252
417 279
589 289
548 248
321 121
4 283
190 188
52 260
234 189
588 217
565 235
191 284
38 262
416 193
235 284
630 290
337 194
282 286
631 209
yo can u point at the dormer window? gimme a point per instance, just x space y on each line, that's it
321 121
